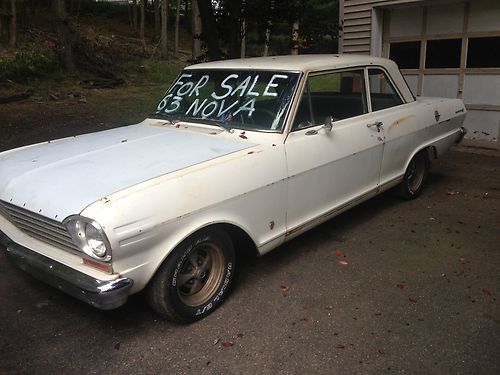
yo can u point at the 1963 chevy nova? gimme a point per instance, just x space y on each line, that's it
251 151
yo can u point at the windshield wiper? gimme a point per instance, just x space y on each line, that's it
162 116
210 121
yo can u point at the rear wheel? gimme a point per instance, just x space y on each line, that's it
414 178
195 278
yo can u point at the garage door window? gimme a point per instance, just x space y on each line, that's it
444 53
382 92
484 52
406 54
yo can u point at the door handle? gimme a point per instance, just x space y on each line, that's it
377 125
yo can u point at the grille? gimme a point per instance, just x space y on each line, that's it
38 226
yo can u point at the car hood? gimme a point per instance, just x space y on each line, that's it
60 178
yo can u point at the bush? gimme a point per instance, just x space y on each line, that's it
27 64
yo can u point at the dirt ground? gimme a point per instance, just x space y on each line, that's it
417 293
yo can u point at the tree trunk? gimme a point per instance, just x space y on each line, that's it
134 15
234 7
13 24
295 38
177 20
141 25
196 30
268 30
157 19
243 46
164 29
64 34
209 29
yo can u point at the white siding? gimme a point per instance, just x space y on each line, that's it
356 17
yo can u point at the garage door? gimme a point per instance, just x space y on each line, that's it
451 50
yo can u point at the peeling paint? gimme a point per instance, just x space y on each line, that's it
399 121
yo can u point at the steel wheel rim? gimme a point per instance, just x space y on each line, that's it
416 171
201 274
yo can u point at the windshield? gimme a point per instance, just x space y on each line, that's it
242 99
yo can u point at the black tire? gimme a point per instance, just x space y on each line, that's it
195 278
414 179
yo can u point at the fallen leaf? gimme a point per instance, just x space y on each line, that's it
486 291
124 140
338 253
381 351
243 136
227 344
412 300
216 341
401 286
343 262
305 319
340 346
452 193
284 288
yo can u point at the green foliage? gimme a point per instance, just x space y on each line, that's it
27 64
318 25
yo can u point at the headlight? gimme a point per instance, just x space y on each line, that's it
89 236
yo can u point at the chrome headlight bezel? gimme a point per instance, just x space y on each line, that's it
79 228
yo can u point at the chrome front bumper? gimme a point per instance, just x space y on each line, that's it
102 294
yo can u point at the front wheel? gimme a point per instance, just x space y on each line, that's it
195 278
414 178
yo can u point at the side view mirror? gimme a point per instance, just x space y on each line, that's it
328 123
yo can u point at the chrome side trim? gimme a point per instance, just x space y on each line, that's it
102 294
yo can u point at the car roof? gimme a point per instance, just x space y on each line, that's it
298 63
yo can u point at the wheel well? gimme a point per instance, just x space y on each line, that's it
243 243
430 153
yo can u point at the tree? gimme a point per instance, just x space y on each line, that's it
235 18
268 28
134 15
209 25
177 20
142 22
196 30
157 18
13 24
164 35
63 34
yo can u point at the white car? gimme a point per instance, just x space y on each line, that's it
239 153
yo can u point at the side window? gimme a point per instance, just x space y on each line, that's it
382 93
340 95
